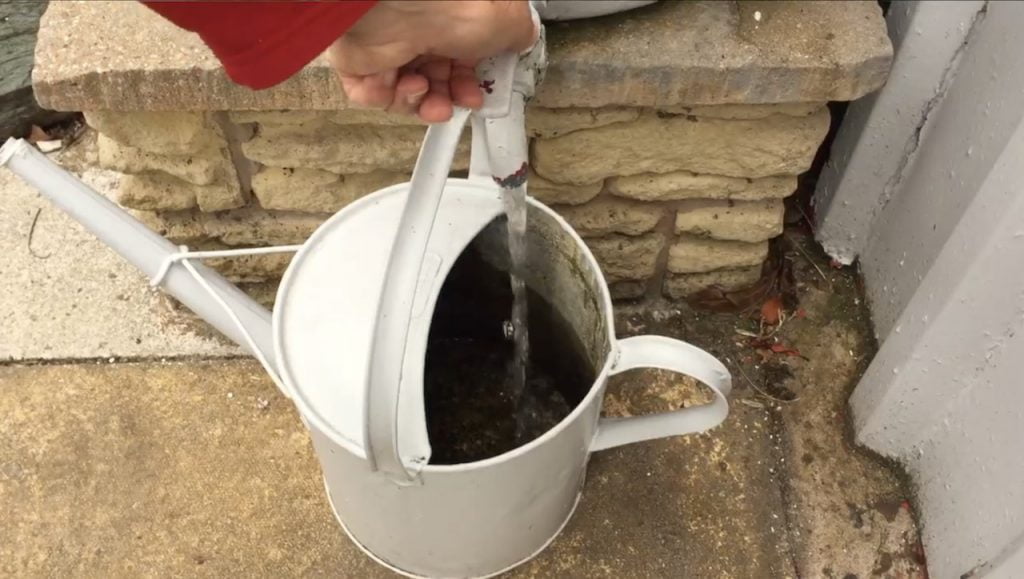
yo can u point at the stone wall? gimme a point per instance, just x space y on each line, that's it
668 136
669 200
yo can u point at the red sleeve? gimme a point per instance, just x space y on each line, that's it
264 43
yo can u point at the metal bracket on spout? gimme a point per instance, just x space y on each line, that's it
184 255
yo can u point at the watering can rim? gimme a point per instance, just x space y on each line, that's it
315 418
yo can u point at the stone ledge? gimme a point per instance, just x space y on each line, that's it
97 55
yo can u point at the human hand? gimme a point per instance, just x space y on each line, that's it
418 57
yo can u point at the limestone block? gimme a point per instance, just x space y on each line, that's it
163 132
685 285
749 221
343 149
220 196
687 185
316 191
254 226
774 145
628 290
606 215
250 226
185 227
695 255
546 123
265 292
627 258
199 169
248 268
745 111
371 117
342 117
157 191
551 193
276 117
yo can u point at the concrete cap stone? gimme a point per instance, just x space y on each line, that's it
113 55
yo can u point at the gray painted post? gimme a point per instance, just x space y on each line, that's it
876 144
941 251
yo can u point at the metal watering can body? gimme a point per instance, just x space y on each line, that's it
347 343
482 518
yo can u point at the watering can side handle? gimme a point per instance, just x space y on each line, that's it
666 354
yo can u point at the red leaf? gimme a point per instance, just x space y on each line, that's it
783 349
37 134
771 310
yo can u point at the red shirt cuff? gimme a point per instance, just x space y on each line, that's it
262 44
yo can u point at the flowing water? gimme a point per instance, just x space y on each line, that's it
515 210
473 409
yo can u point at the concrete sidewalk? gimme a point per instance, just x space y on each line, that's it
64 295
178 469
200 468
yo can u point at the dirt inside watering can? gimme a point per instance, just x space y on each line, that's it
472 412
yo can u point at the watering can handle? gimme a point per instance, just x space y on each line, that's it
390 335
666 354
507 81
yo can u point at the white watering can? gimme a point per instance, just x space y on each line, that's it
347 343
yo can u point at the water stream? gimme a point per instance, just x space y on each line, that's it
471 409
515 209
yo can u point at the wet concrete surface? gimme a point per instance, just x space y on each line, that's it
199 468
848 513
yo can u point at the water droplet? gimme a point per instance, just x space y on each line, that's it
970 151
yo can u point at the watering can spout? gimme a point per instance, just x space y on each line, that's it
199 288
